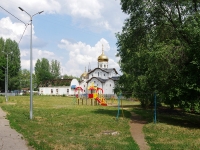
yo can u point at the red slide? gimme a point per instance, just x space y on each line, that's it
100 102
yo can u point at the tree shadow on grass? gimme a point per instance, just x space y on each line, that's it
174 117
113 113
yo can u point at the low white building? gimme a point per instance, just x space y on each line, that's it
59 90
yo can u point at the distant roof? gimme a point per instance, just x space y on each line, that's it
107 70
100 79
115 78
73 86
103 80
110 70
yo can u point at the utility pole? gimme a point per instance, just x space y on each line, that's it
31 68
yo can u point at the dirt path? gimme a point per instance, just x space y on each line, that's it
136 125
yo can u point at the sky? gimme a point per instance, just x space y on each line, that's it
69 31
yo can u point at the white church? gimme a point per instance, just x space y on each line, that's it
102 77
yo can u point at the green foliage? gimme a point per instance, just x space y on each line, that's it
42 71
2 99
159 51
55 69
9 48
24 78
65 76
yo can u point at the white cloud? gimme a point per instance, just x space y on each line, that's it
81 54
15 31
83 9
11 30
31 7
37 54
96 15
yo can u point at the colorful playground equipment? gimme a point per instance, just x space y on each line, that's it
78 94
97 94
100 97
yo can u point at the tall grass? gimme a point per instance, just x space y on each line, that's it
59 124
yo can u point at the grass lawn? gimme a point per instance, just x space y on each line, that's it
174 130
59 124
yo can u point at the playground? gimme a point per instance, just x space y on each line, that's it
94 94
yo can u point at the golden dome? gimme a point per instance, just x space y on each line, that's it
84 74
102 57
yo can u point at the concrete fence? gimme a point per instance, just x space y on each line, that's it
9 94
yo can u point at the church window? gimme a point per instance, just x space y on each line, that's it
98 74
94 81
104 66
67 90
100 65
110 84
104 75
51 91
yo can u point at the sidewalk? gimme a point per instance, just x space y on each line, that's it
9 138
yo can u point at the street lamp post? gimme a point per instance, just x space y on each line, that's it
31 91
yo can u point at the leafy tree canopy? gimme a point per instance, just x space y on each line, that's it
9 54
159 51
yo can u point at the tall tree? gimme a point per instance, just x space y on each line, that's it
10 51
24 78
2 64
158 47
42 71
55 69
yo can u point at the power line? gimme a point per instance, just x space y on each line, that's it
19 20
12 15
23 33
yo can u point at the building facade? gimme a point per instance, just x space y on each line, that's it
102 77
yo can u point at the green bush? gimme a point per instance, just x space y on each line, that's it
1 99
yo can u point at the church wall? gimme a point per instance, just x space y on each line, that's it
103 64
83 85
104 75
111 74
108 87
96 83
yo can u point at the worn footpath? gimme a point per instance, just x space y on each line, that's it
136 126
9 138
